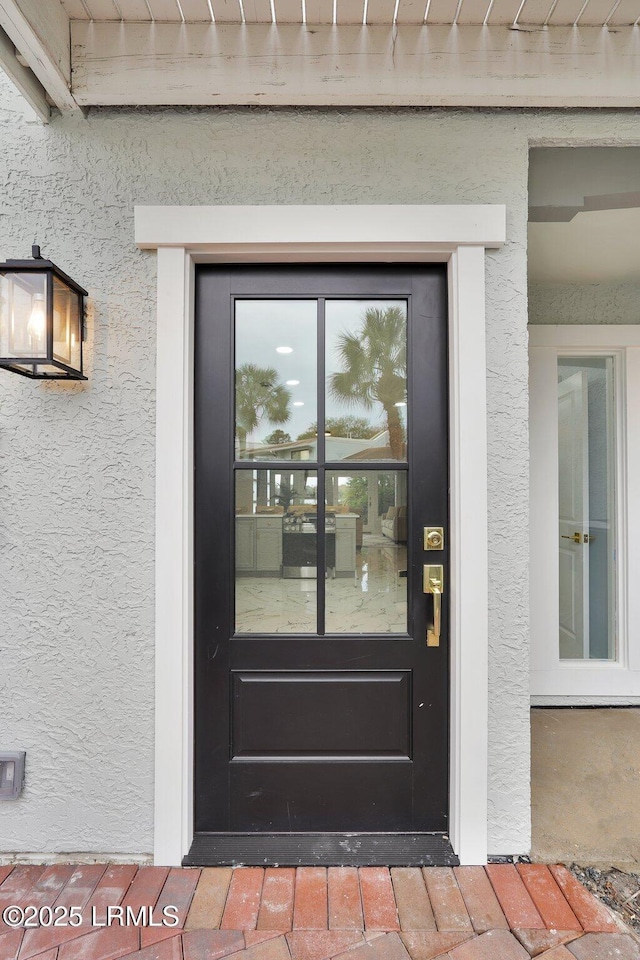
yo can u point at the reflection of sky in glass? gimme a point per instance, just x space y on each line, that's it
346 316
263 325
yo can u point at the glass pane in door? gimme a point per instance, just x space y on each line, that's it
366 379
276 544
275 379
366 585
587 508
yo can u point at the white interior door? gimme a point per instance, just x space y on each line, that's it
573 495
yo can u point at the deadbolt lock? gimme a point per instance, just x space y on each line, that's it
434 538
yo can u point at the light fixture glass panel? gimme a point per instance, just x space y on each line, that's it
366 380
587 508
23 320
66 324
275 379
366 587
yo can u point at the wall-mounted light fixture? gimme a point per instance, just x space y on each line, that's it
41 320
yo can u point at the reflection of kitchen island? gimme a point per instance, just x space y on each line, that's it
260 537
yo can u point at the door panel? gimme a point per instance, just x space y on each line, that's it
315 714
319 707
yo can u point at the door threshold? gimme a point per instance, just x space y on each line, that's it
323 849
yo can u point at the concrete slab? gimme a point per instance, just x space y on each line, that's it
585 786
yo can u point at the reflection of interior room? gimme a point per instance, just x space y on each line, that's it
583 256
276 551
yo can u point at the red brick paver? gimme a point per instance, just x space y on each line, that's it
493 945
378 901
321 944
593 915
548 897
212 944
345 904
309 913
414 906
387 947
480 900
209 899
428 946
177 894
310 907
539 941
243 902
276 907
446 900
517 905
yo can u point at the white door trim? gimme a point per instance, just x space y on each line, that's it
457 235
552 680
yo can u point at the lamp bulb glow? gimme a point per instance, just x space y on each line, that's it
37 321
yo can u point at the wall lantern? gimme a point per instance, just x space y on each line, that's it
41 320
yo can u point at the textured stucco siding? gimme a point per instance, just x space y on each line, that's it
584 302
77 461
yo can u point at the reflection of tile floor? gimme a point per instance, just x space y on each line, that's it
374 601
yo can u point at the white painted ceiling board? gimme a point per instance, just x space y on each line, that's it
165 10
411 11
288 11
380 11
350 11
442 11
504 11
565 12
535 11
134 10
594 247
257 11
596 13
226 11
319 11
196 11
626 13
473 11
75 10
103 10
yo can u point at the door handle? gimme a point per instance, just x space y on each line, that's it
433 583
578 537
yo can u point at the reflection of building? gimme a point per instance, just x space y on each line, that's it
336 448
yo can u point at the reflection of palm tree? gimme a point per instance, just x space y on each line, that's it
374 363
259 396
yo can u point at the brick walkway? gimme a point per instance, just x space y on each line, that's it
279 913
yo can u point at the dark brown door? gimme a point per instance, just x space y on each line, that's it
321 728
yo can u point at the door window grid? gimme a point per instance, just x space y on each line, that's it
366 370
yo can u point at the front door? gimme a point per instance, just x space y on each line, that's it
321 665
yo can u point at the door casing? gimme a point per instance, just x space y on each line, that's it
457 235
587 682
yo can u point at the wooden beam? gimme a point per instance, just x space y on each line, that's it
474 66
40 32
28 85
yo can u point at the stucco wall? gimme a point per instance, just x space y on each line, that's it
77 462
584 302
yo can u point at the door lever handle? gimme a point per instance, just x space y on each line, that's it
433 583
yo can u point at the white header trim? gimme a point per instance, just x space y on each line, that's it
243 230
